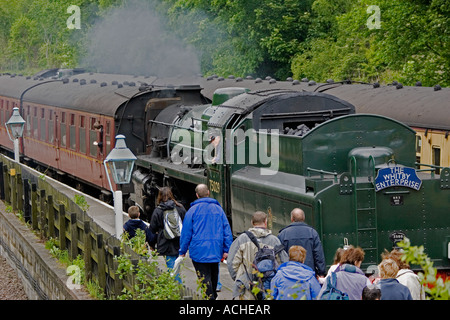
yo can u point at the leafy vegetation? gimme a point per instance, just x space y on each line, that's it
80 200
318 39
75 268
436 288
147 281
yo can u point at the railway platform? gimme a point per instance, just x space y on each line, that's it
103 214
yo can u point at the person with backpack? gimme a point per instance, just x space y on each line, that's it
207 235
167 223
257 246
294 279
348 280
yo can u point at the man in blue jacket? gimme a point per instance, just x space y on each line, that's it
207 235
300 234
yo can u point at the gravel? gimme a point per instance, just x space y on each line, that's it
11 287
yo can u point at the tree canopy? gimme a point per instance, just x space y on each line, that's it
363 40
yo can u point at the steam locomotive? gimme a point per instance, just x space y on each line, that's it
258 144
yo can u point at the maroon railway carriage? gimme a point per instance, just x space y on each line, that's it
71 123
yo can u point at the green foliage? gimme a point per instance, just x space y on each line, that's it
412 43
35 34
318 39
137 243
148 283
435 287
75 268
80 200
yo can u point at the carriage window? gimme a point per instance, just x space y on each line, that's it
82 135
63 129
436 157
28 121
1 113
418 144
35 123
51 129
107 138
42 125
72 138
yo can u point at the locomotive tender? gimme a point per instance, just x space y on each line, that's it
260 145
353 174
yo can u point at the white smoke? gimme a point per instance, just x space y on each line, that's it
132 39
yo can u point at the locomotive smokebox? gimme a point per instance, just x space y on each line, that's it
364 160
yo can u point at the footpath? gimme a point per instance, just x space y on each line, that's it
103 215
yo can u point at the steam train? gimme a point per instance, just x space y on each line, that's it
267 145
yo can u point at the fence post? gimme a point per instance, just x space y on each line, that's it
34 209
62 226
12 173
118 283
101 262
26 201
2 182
19 188
7 181
87 250
51 216
42 212
73 236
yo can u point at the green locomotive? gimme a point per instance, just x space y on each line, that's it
273 150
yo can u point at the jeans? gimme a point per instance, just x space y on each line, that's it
170 262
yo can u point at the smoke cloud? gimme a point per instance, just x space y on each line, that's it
132 39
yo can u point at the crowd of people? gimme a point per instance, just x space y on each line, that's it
290 266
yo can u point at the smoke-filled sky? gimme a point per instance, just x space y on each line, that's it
132 40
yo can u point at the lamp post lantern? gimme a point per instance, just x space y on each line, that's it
120 162
16 125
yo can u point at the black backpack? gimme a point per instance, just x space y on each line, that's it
265 267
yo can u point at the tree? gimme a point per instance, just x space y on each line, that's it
37 36
411 44
23 44
243 37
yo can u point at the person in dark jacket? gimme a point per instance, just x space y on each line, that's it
391 289
207 235
166 247
300 234
135 223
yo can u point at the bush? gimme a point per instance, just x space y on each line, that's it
435 287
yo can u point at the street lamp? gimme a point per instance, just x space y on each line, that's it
16 125
120 162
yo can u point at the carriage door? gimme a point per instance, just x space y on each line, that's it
52 133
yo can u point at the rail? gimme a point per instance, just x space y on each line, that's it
50 213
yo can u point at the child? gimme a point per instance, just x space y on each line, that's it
135 223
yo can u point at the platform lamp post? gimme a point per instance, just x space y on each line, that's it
120 162
15 124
